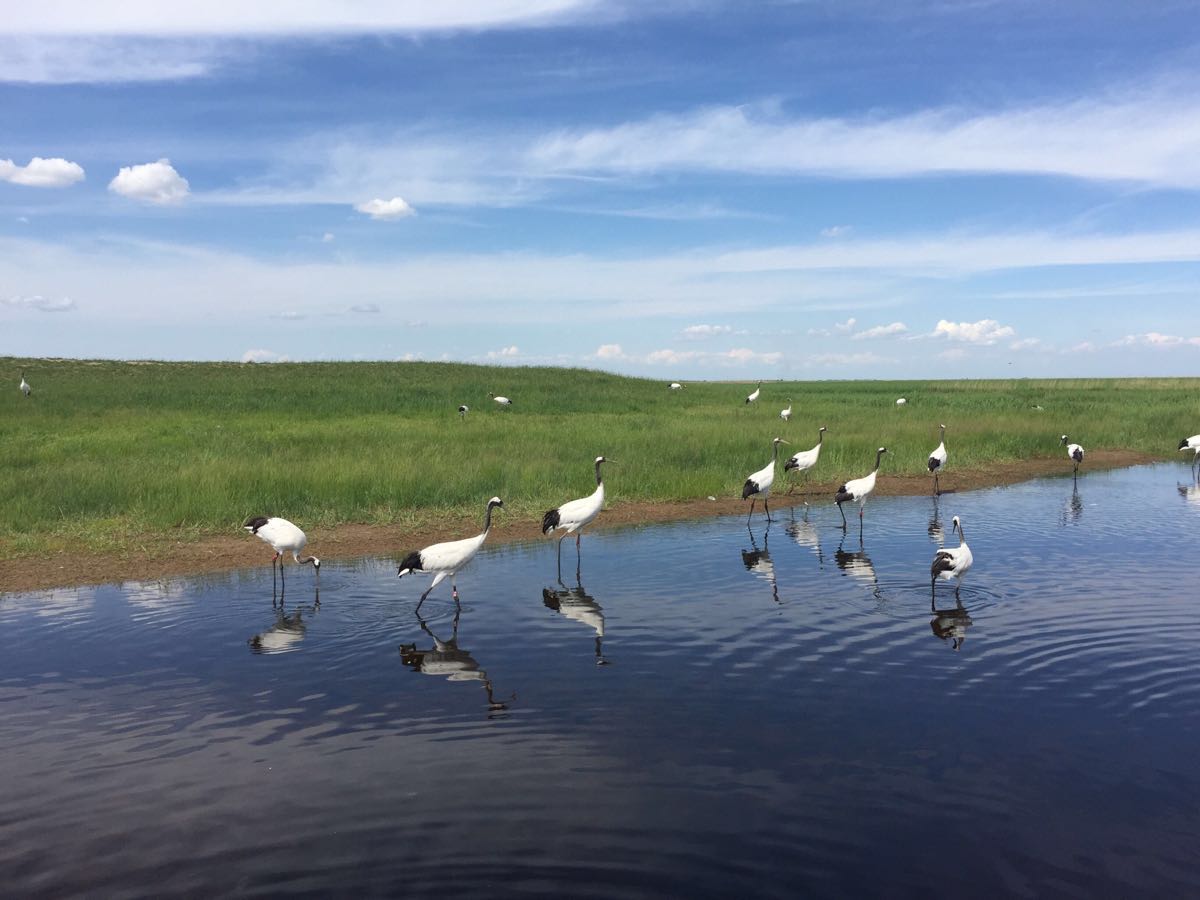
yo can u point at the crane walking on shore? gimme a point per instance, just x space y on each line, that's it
759 484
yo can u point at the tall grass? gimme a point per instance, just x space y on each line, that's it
106 451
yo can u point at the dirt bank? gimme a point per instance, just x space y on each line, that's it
159 556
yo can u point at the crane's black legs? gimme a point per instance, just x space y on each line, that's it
753 500
843 512
767 507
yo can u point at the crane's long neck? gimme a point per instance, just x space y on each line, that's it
878 457
820 437
962 538
599 480
487 519
774 452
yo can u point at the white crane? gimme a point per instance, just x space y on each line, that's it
936 460
675 386
951 562
463 410
901 402
284 537
25 388
448 557
501 401
786 414
572 517
1074 453
754 394
759 484
858 490
805 459
1193 444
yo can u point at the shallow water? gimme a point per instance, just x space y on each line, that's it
715 711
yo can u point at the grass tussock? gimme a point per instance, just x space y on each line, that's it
105 452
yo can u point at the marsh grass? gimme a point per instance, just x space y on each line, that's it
105 453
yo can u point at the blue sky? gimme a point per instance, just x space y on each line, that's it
698 190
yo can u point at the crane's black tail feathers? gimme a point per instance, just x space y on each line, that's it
549 521
749 489
789 465
842 496
411 563
933 463
941 563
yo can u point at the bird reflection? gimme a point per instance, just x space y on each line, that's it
936 532
444 658
288 630
950 624
1190 492
759 562
858 565
579 606
805 534
1073 509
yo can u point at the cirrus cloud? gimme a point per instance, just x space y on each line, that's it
39 172
157 183
880 331
40 303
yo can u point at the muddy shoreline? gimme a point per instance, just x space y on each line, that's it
159 556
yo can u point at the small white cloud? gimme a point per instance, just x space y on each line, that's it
46 173
845 327
1156 339
263 356
381 210
739 356
700 332
289 315
41 304
880 331
155 182
24 220
846 359
836 231
1025 344
365 308
985 331
1082 347
328 238
504 352
609 351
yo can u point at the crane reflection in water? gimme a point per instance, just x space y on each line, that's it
759 561
805 534
446 660
578 605
857 564
950 624
289 628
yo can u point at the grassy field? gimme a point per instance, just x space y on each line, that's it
107 453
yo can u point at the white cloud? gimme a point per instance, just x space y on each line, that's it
880 331
1156 339
985 331
836 231
845 327
504 352
273 17
42 304
365 308
396 208
289 315
328 238
50 173
1025 344
700 332
157 183
262 356
609 351
1082 347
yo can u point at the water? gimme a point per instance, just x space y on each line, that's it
714 712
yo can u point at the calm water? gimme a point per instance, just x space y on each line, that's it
716 711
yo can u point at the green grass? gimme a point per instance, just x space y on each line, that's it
106 453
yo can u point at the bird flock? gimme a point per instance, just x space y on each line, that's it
446 559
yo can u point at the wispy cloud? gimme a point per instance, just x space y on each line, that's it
41 304
702 332
609 352
1156 339
739 356
846 359
46 173
504 352
836 231
1081 138
880 331
33 59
